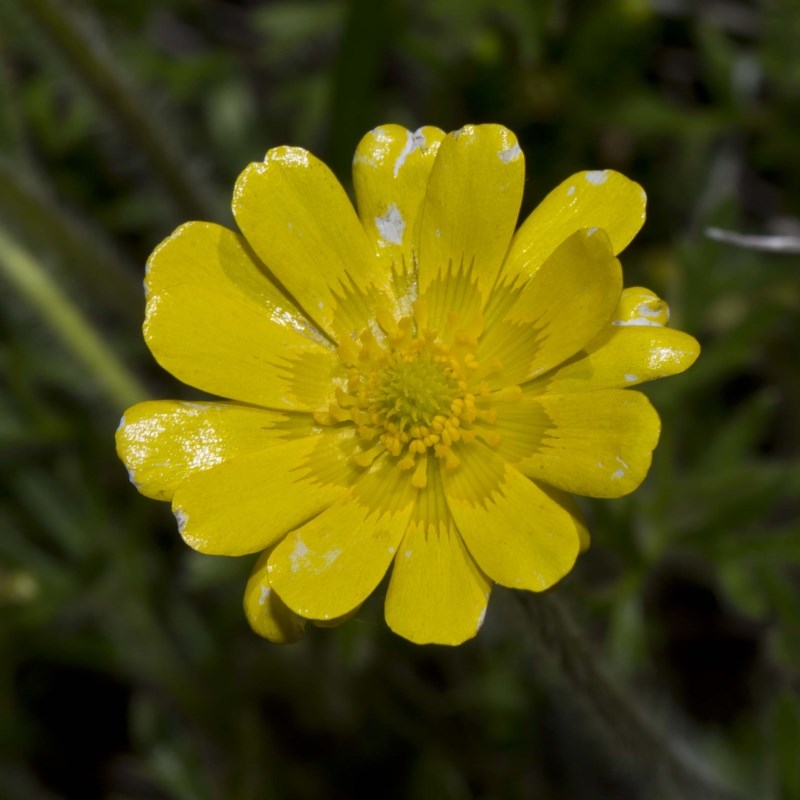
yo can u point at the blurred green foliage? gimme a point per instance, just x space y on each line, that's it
126 667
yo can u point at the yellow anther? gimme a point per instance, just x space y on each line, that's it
366 457
386 320
419 480
348 350
415 392
323 418
487 415
345 400
492 438
339 414
406 462
508 394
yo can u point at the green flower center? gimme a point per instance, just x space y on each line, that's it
412 391
409 396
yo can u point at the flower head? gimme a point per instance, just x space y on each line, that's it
413 386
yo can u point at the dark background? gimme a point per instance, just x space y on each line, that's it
127 670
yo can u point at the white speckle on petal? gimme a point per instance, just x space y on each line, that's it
132 477
298 555
296 156
407 553
510 154
266 591
183 519
570 191
438 233
391 550
591 231
391 225
482 617
597 176
619 460
195 542
414 141
618 474
332 555
321 304
630 378
645 315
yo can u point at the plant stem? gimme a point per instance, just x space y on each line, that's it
94 64
33 283
629 732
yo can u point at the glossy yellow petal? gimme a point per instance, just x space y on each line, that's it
437 593
162 442
327 567
216 322
563 306
515 532
471 208
639 307
599 199
620 357
298 219
597 443
245 505
335 622
218 260
567 502
267 614
231 347
390 176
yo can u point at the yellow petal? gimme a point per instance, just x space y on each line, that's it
567 502
209 256
298 219
598 199
471 208
267 614
437 593
390 176
518 536
327 567
641 307
245 505
596 443
620 357
162 442
335 622
563 306
218 323
231 347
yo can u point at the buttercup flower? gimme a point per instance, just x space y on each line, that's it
412 386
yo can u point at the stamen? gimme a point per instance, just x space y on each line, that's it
417 394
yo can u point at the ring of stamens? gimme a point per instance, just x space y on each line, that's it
410 395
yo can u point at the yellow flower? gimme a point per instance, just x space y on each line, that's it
411 385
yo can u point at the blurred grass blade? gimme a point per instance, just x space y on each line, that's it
98 262
36 287
94 65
